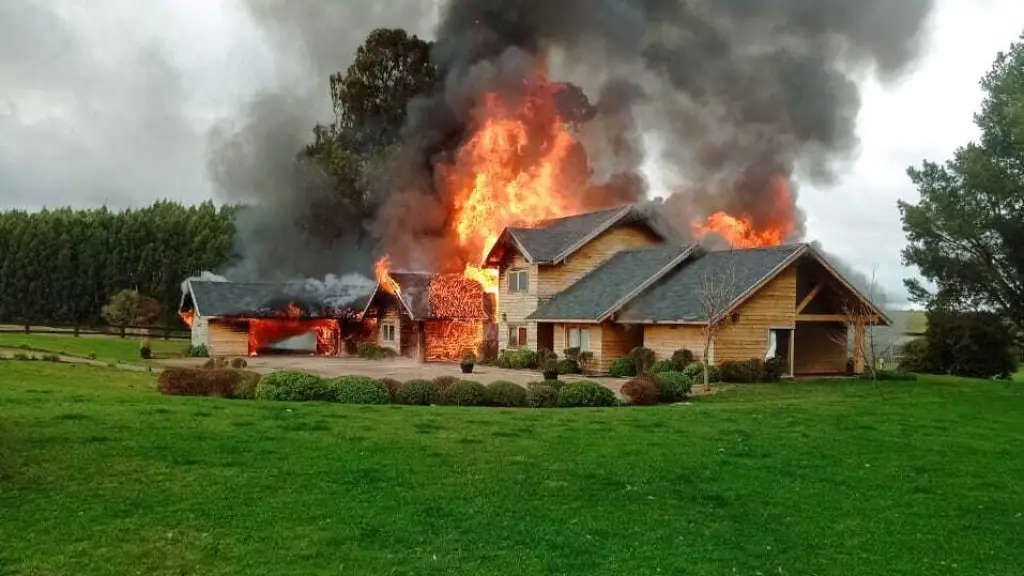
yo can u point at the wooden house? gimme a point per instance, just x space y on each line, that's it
245 319
431 317
609 281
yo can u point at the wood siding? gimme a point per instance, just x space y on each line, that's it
408 337
391 316
666 339
617 340
562 342
554 279
820 348
513 308
228 339
773 306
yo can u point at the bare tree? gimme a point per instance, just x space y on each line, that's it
716 293
859 316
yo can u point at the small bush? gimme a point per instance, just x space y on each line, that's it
890 376
464 393
290 386
643 358
239 363
567 366
358 390
216 363
392 387
418 393
683 358
584 393
773 369
246 384
674 386
445 382
641 391
623 367
664 366
523 359
145 349
200 351
745 372
468 358
197 382
507 394
541 395
371 351
696 373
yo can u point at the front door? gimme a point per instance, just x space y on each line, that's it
780 345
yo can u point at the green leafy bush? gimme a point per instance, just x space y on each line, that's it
914 356
464 393
643 358
567 366
674 386
200 351
972 345
891 376
392 387
624 367
418 393
245 386
741 372
696 373
508 394
203 382
773 369
445 382
642 391
664 366
522 359
145 349
683 358
541 395
289 386
358 390
584 393
371 351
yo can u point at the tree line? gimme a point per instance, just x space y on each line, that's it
62 266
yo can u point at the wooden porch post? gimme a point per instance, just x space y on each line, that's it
792 351
858 347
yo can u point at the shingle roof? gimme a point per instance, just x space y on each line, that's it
597 293
257 300
550 238
675 298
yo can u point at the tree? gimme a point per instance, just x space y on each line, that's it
860 319
122 309
715 295
966 234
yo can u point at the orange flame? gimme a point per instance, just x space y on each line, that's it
264 333
742 232
188 317
382 270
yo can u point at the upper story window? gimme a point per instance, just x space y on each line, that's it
518 280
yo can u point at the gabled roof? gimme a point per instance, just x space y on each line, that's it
676 298
552 241
259 300
419 298
612 284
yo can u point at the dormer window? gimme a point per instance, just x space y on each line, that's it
518 281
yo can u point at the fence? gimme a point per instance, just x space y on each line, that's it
164 332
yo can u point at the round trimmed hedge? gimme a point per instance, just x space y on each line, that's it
418 393
464 393
584 394
674 386
359 390
290 386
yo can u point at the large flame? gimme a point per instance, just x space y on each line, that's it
383 272
744 231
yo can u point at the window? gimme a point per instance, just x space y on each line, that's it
517 337
579 338
518 280
387 332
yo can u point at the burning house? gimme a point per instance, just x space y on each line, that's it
247 319
431 317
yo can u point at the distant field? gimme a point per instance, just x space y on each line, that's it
106 348
99 474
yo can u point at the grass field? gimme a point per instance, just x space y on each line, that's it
106 348
99 474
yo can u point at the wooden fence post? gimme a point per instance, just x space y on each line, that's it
28 329
123 332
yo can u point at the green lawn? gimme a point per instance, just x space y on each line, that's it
99 474
106 348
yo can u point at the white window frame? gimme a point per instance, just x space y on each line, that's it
515 283
387 330
579 331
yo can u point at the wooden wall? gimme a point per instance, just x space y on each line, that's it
820 348
408 337
554 279
773 306
617 340
513 308
562 340
390 316
665 339
228 338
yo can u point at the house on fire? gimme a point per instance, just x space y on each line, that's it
244 319
431 317
609 281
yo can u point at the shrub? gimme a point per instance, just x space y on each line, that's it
392 387
291 386
246 384
508 394
445 382
696 373
546 354
643 358
567 366
523 359
641 391
200 351
418 393
371 351
674 386
358 390
915 357
584 360
197 382
214 363
464 393
541 395
891 375
623 367
583 393
145 349
239 363
664 366
683 358
468 357
741 372
773 369
973 344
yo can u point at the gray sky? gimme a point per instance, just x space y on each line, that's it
115 106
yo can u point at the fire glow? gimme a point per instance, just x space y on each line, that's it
741 232
265 332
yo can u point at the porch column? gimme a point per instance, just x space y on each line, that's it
792 351
858 347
